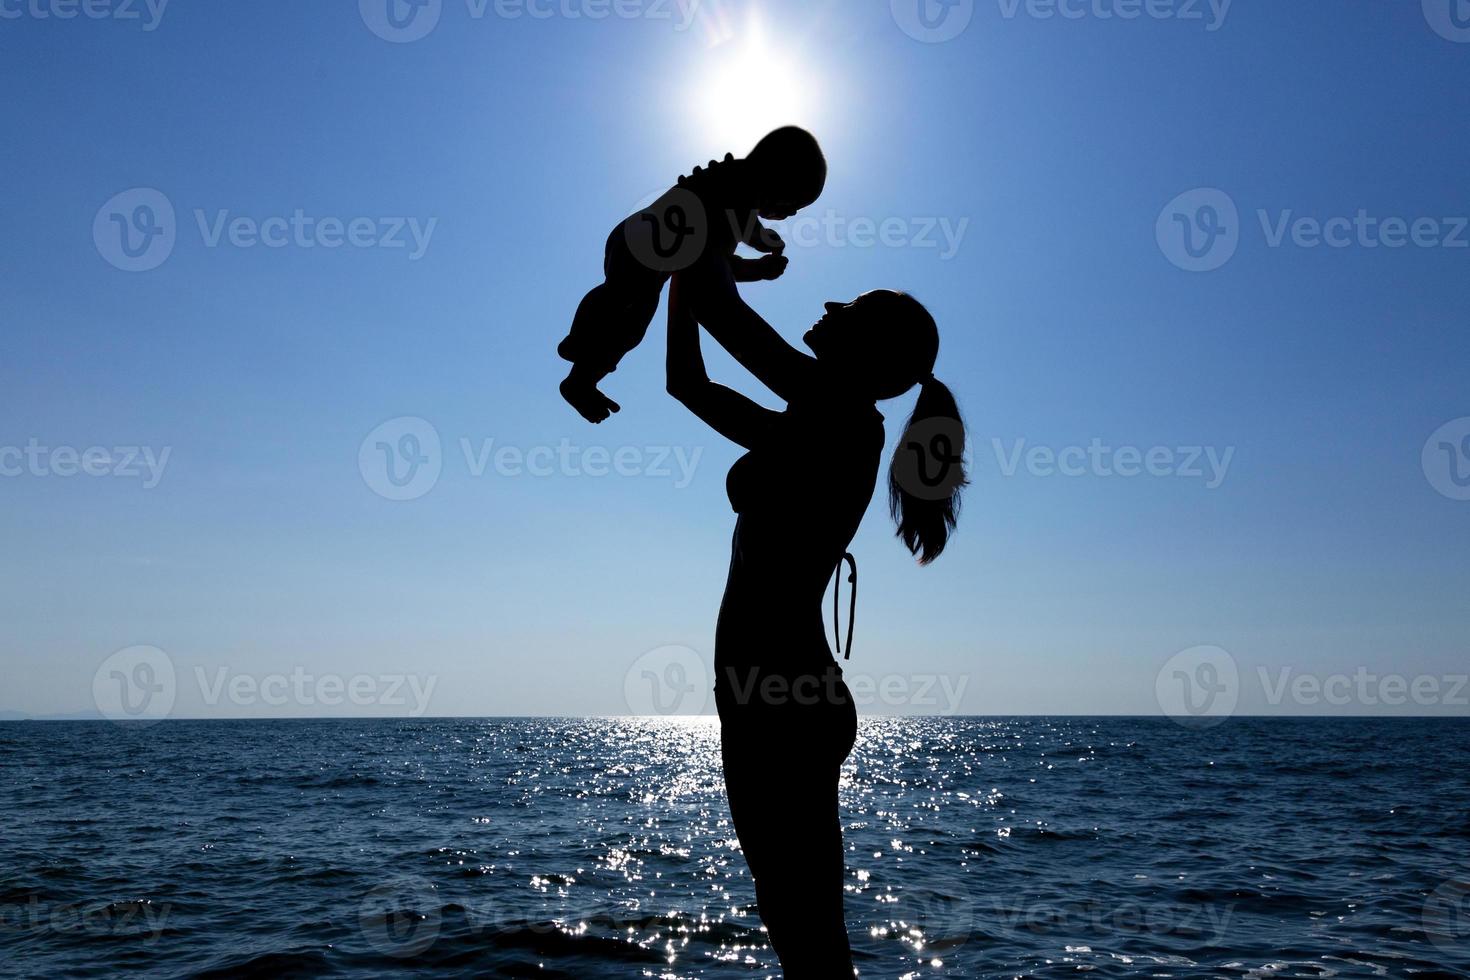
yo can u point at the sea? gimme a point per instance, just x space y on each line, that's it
602 847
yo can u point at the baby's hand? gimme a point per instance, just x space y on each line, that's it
769 267
766 240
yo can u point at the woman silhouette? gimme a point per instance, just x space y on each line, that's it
787 718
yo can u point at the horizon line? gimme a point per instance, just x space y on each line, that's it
1183 723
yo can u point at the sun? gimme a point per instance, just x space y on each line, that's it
753 86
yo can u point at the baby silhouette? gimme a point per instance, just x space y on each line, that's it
710 211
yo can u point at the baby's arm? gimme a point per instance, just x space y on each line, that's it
761 238
756 270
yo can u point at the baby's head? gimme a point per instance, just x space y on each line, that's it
790 172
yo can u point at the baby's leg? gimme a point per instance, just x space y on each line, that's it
611 320
584 345
600 335
628 327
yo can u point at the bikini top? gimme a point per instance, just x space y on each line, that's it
807 453
804 454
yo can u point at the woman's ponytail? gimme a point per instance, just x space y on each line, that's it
927 472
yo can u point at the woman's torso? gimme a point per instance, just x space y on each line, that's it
800 497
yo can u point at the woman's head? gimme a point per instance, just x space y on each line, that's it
883 344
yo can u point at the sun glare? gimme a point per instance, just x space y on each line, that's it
752 87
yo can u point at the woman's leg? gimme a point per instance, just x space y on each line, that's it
782 786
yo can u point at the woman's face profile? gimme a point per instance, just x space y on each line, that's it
842 331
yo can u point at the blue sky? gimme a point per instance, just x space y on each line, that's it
1049 147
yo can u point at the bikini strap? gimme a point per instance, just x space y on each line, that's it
851 607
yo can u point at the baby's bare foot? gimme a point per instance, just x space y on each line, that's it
590 403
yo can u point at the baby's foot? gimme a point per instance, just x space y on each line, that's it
590 403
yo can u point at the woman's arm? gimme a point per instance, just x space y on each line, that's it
715 302
728 412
